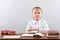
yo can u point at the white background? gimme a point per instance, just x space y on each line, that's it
14 14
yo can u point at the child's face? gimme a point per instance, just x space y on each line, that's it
37 14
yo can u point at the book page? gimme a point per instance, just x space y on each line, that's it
11 36
40 34
27 34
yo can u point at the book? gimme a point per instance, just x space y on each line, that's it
33 35
11 36
53 36
53 32
8 32
27 34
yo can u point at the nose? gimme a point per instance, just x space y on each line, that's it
37 14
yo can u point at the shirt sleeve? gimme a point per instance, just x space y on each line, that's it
27 27
45 26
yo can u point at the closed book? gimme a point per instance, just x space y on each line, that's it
53 36
53 32
8 32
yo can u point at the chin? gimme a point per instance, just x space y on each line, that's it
37 19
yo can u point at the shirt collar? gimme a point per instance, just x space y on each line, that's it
34 21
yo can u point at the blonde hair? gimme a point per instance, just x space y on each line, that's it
37 8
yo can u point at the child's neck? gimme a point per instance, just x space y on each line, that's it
36 19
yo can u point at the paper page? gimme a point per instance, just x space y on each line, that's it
11 36
40 34
27 34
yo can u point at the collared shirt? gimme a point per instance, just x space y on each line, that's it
41 24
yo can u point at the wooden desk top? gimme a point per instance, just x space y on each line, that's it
30 38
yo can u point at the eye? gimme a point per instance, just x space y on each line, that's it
35 12
38 12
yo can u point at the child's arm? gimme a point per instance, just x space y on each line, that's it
45 27
33 30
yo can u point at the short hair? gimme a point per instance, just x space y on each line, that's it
37 8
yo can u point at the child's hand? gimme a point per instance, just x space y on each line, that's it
34 29
43 32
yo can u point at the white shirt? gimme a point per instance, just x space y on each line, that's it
41 24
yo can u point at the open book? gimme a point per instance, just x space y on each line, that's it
34 35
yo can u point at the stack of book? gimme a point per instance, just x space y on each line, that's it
53 34
8 32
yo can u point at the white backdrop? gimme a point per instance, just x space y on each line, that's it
14 14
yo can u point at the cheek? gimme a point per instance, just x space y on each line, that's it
40 14
34 14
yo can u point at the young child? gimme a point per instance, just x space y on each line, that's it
37 24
